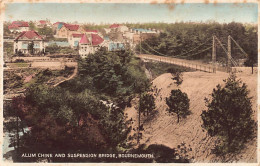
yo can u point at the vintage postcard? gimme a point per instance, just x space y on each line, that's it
136 82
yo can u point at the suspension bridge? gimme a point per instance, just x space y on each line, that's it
211 67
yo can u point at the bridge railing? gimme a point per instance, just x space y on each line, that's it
185 63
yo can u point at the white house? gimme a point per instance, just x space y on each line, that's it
89 44
74 39
18 26
22 41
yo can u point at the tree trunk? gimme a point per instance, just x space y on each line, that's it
252 68
138 131
178 118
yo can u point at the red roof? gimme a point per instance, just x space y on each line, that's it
29 35
96 39
114 26
42 22
94 31
17 24
13 26
71 27
77 35
84 40
56 23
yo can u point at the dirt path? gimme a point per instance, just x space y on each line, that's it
164 129
72 76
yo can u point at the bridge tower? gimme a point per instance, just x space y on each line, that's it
214 55
229 54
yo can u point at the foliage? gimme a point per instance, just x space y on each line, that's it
189 40
54 48
251 42
6 29
9 49
72 117
178 78
163 154
32 26
13 81
146 103
178 103
158 68
46 31
229 116
116 74
31 47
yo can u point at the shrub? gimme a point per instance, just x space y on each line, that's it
178 102
229 116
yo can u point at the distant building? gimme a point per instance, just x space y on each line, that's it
142 34
113 45
117 28
89 44
18 26
74 39
43 23
67 30
25 38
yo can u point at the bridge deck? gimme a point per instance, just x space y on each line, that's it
183 62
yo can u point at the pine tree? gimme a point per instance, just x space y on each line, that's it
229 115
178 102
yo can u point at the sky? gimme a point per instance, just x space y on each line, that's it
133 13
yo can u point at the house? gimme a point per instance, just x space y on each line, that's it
22 41
67 30
142 34
113 45
120 28
43 23
89 44
18 26
88 31
116 28
74 39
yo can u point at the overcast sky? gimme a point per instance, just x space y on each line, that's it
120 13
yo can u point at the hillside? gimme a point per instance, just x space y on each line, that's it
164 129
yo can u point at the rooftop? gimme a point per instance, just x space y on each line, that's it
29 35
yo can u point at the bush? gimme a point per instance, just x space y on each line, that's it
146 103
19 61
229 116
179 103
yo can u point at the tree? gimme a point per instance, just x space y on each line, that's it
31 47
32 26
229 115
146 103
47 31
178 102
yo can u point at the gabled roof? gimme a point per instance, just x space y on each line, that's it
94 31
114 26
77 35
84 40
96 39
29 35
71 27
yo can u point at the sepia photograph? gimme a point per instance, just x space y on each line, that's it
135 82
